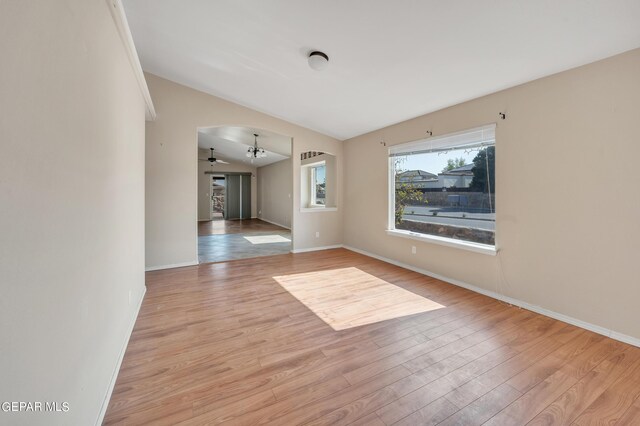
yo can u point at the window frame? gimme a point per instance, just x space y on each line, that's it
391 230
312 179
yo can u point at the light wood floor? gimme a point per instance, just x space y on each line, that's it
349 297
225 343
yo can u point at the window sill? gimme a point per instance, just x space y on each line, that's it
317 209
448 242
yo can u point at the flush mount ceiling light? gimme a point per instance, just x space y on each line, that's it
256 152
318 60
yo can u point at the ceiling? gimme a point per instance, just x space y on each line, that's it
389 60
231 144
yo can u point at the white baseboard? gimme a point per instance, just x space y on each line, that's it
305 250
274 223
171 266
538 309
114 375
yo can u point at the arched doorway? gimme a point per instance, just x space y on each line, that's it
245 193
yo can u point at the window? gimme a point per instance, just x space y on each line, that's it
444 187
318 182
318 185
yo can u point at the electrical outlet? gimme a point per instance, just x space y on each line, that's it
413 249
317 234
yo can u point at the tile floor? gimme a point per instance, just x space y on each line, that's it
257 238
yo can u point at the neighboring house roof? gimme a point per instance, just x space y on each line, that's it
467 170
416 176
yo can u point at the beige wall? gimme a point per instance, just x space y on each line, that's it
275 193
204 183
568 235
72 206
171 164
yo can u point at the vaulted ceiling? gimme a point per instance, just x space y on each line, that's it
389 60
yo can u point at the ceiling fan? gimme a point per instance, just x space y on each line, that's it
212 159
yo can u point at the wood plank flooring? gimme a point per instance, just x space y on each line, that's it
224 343
349 297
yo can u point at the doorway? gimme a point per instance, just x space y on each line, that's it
217 197
230 197
244 202
237 196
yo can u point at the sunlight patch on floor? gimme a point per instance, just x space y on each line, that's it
349 297
266 239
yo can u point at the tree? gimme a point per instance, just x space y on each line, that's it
406 193
484 162
454 163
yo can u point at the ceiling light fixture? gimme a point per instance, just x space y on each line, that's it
318 60
256 152
212 159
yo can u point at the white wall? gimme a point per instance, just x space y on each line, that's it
204 183
71 206
275 193
570 247
171 178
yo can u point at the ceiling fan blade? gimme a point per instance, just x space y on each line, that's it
202 159
221 162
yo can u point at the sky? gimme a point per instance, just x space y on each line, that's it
435 162
320 173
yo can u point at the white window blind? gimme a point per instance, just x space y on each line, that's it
472 138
